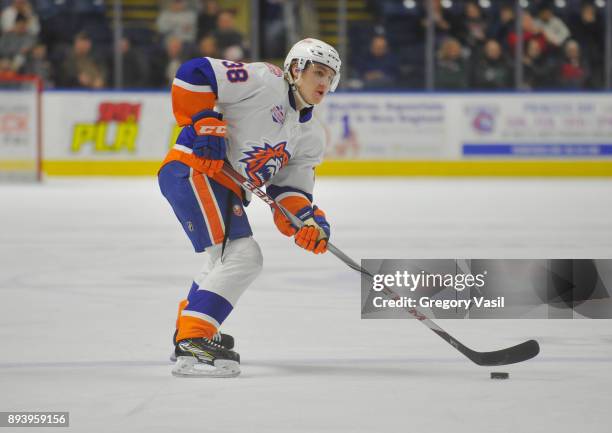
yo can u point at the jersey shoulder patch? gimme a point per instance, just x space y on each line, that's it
271 76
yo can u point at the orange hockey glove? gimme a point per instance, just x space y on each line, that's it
314 234
283 224
293 203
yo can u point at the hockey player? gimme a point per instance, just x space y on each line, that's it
258 118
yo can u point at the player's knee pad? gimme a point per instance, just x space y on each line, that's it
231 274
244 252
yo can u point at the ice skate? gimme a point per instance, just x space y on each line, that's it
203 357
225 340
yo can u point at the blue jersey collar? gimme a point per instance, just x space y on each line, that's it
305 113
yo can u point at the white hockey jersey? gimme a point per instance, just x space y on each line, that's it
268 141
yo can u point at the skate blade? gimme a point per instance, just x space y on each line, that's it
187 366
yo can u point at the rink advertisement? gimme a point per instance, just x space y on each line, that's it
501 134
18 135
124 133
487 289
107 132
543 126
390 126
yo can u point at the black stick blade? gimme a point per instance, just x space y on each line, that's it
511 355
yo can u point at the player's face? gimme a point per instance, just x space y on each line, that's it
315 82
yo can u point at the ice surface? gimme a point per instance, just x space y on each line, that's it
91 271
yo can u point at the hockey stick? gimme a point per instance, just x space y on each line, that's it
510 355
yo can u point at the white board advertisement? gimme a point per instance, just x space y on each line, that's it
107 125
386 126
537 126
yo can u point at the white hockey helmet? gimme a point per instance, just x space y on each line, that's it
314 50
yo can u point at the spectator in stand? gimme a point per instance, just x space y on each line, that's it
379 67
234 53
168 61
23 8
226 33
530 31
555 31
539 69
573 73
80 68
474 29
207 47
6 69
451 70
135 70
492 71
446 25
207 18
589 32
443 25
17 42
91 77
178 21
505 24
38 64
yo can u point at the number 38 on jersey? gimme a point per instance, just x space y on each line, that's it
236 72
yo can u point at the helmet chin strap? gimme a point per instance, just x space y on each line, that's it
296 91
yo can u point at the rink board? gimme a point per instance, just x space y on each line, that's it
364 168
368 134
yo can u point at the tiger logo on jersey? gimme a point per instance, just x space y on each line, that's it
264 162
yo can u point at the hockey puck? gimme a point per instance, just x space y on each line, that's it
499 375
